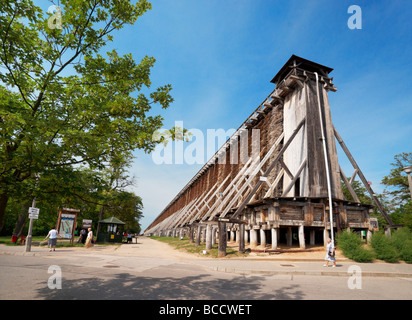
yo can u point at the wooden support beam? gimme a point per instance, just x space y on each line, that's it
292 183
279 155
353 176
274 184
284 166
362 177
252 175
349 185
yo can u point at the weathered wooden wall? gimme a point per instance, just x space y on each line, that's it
295 191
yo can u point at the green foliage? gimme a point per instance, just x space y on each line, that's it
360 191
67 101
396 182
351 246
400 236
406 251
402 240
384 248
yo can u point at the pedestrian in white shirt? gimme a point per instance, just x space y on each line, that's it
330 254
52 235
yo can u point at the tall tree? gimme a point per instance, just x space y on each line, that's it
63 100
397 188
396 182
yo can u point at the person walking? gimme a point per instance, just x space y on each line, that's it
330 254
52 235
89 238
82 238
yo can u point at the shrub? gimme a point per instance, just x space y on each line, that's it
384 248
400 237
406 251
351 246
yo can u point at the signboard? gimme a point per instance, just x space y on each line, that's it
67 223
86 224
34 211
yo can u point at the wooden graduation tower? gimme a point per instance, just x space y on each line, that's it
289 191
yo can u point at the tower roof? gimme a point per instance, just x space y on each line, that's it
302 64
112 220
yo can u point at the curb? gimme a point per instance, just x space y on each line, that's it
309 273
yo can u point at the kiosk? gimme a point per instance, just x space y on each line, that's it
110 230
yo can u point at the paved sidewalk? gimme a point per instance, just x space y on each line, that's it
251 265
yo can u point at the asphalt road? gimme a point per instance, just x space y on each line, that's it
149 275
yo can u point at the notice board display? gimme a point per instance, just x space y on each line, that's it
66 223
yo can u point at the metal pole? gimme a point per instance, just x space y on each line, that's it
326 162
29 235
408 171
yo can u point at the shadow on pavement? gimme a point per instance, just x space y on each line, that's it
124 286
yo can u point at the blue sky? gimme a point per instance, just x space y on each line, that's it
220 56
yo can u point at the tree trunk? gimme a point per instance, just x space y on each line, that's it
100 218
4 198
21 220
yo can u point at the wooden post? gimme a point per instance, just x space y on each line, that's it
203 235
232 235
289 237
368 236
262 238
199 231
191 234
274 238
213 235
253 238
388 232
208 236
302 244
222 239
312 237
241 238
